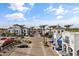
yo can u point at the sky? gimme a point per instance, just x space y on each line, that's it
35 14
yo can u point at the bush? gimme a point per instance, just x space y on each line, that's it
3 34
17 41
46 44
29 41
49 36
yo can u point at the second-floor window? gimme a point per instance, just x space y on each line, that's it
9 30
24 30
66 39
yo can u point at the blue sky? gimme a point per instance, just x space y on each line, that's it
35 14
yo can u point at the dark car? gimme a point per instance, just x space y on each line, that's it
23 46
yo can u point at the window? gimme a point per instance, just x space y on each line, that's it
9 30
66 39
24 30
62 31
58 31
17 31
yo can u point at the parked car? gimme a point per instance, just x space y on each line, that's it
23 46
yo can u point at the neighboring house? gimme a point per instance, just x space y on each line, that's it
71 41
63 40
68 42
57 37
57 32
18 29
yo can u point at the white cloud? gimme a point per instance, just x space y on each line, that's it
75 10
58 11
59 17
49 9
15 16
18 7
61 11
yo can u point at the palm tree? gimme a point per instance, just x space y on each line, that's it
50 29
43 32
67 26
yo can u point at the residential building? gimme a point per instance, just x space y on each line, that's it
71 41
18 29
68 42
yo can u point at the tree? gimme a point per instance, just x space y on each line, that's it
67 26
43 32
3 34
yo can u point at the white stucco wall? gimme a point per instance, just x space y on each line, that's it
76 42
26 31
71 39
